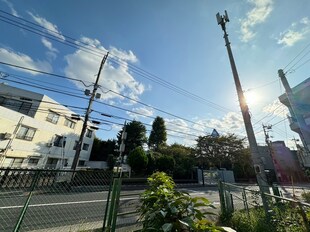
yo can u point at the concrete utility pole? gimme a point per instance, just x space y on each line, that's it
267 128
304 135
122 149
258 164
88 111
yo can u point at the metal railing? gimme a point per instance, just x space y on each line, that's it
53 200
284 214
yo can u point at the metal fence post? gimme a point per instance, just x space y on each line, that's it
112 205
24 210
117 198
245 201
107 205
222 197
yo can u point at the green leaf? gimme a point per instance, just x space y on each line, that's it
163 213
167 227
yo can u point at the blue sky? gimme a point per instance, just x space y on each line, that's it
177 41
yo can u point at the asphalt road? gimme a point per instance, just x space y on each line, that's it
51 210
83 210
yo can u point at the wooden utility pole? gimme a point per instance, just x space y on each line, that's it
88 111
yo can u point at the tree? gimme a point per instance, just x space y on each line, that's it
219 151
184 160
137 160
101 149
136 136
165 163
158 135
111 160
242 165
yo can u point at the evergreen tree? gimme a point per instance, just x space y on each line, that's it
137 159
158 135
136 136
101 149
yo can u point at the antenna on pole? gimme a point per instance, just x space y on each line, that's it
256 158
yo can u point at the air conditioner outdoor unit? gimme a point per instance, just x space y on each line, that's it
7 135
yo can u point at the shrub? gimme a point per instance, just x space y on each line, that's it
137 160
166 209
306 196
165 163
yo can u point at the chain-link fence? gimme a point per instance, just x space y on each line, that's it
53 200
122 210
278 214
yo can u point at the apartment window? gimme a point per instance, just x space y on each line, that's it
13 162
81 163
75 144
52 117
69 123
51 163
85 146
33 162
25 133
16 105
89 133
59 141
17 162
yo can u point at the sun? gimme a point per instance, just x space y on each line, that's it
251 98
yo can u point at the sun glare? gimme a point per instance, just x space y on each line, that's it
251 98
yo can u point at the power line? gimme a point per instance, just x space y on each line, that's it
304 49
137 70
40 109
43 72
74 95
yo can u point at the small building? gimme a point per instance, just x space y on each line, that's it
38 132
281 164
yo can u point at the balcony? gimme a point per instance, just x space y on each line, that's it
293 124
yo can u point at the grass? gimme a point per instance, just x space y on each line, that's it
282 217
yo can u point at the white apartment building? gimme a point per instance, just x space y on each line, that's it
38 132
301 110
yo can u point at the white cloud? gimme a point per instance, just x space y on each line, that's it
21 59
296 32
113 77
50 27
52 52
123 55
229 123
176 124
48 45
259 14
141 110
276 108
10 5
305 20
